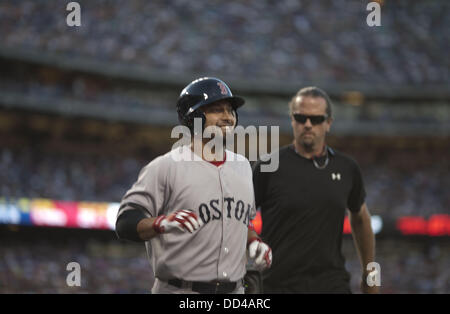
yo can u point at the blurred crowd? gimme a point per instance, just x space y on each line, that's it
407 183
406 266
397 185
32 173
307 40
88 90
69 89
38 265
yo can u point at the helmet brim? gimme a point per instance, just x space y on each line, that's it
235 102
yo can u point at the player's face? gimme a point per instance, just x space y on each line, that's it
220 114
309 133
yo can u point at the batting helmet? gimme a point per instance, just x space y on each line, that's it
201 92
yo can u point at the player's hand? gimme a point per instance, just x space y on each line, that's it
261 252
181 220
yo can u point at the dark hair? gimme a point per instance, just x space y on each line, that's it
312 91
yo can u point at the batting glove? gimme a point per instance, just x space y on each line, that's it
261 252
183 220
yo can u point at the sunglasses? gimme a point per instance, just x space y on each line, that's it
301 118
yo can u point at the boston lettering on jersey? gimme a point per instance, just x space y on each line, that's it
234 210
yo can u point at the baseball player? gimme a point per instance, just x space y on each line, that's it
194 213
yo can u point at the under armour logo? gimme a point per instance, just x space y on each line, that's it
336 176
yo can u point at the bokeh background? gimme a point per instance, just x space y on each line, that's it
83 109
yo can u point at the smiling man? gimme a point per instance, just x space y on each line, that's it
303 206
221 119
194 213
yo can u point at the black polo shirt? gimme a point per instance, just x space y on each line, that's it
303 211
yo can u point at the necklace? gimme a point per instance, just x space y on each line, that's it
316 164
324 165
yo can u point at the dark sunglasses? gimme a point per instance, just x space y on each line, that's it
301 118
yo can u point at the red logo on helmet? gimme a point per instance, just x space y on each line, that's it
223 88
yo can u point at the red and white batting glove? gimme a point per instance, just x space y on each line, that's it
183 220
261 252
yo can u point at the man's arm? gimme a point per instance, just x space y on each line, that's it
145 229
364 240
251 234
135 226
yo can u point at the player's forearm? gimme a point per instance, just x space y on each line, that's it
251 234
133 225
145 229
364 238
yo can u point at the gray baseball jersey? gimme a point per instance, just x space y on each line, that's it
222 197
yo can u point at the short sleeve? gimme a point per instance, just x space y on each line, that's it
148 192
358 193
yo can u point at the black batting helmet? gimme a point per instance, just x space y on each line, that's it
201 92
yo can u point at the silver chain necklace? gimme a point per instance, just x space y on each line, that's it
324 165
315 162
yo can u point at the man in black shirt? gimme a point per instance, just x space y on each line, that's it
303 206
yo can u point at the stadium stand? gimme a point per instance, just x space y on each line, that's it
246 39
37 263
392 192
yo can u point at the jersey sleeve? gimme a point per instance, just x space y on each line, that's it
358 193
148 192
